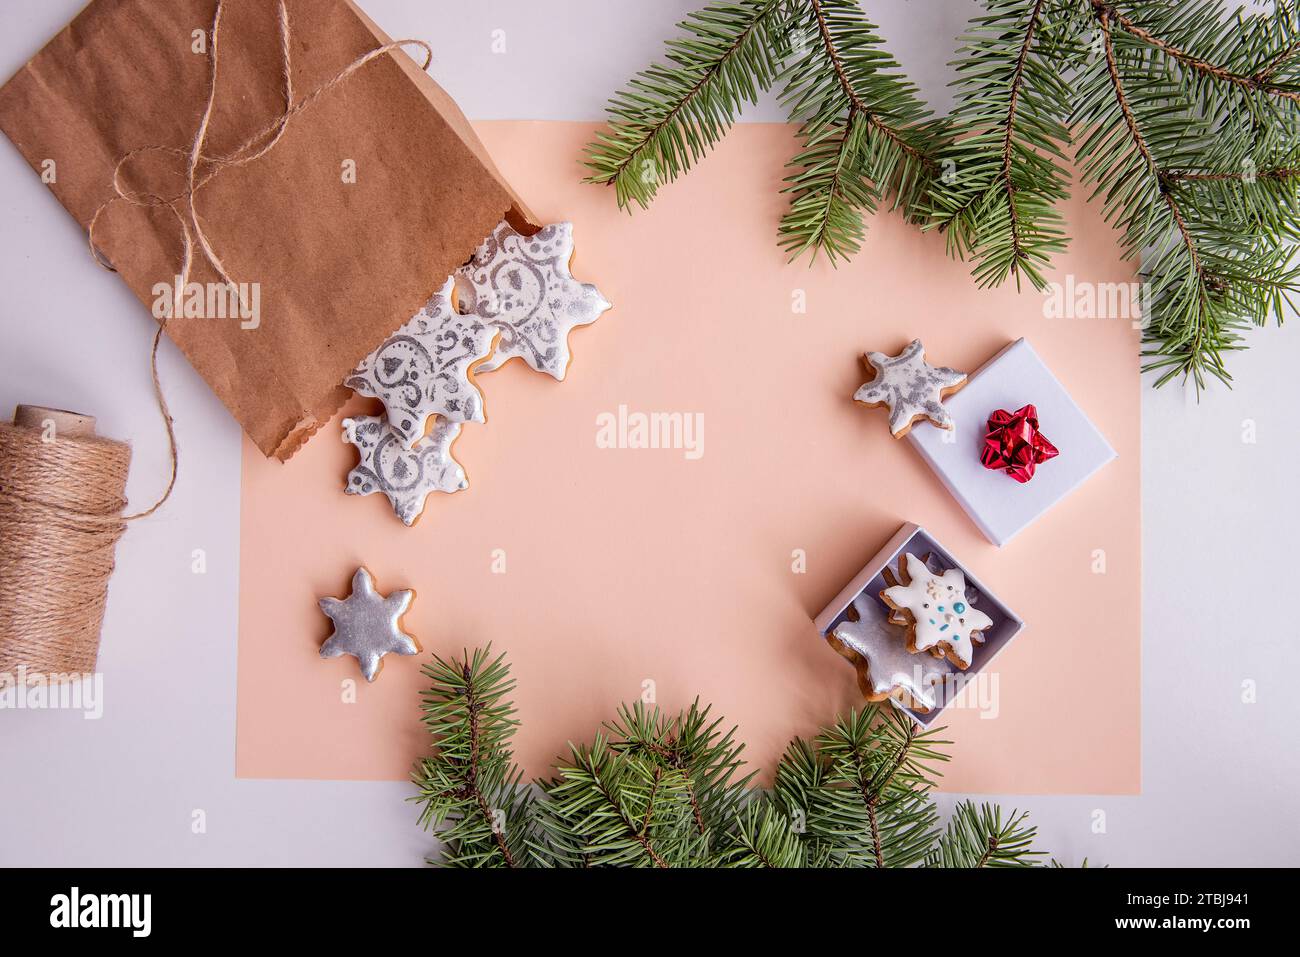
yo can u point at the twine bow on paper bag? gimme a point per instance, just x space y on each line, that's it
201 168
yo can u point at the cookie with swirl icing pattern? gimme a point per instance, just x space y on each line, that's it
405 475
521 285
941 619
427 367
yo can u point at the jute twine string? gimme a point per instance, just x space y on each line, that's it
201 168
61 501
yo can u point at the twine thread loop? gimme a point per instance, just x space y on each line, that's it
200 169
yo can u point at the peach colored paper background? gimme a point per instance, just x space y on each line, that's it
624 566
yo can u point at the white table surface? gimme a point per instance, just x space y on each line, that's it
1219 775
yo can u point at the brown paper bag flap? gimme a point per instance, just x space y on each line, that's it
332 265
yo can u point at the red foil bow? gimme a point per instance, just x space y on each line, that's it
1014 445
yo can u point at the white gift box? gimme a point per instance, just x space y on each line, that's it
871 582
995 501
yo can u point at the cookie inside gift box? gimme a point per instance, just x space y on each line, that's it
917 625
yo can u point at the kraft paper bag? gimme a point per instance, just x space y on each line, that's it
373 196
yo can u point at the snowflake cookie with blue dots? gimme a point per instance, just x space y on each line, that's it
936 610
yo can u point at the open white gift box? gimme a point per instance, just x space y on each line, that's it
998 504
914 539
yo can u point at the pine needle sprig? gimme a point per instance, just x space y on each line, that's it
1212 260
982 836
1238 53
799 778
670 115
1264 200
763 837
1189 117
608 808
866 134
695 749
860 793
878 798
666 790
1003 173
471 791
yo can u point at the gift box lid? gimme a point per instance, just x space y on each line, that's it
913 538
999 505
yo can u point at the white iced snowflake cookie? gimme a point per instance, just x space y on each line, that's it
942 620
427 368
405 475
885 666
910 388
521 285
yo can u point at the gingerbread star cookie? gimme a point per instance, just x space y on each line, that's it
368 625
910 387
426 368
885 667
405 475
521 285
940 617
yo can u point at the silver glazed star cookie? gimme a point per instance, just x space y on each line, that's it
940 616
405 475
885 667
367 625
910 387
427 368
522 286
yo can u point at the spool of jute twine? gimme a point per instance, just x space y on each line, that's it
62 495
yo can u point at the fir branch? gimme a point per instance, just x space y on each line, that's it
656 776
1178 110
1279 60
662 791
800 775
1260 81
865 133
862 791
858 103
829 190
1196 313
763 837
876 756
1264 203
978 837
671 115
471 790
1009 134
1213 256
609 808
694 750
1003 173
1190 176
1140 143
